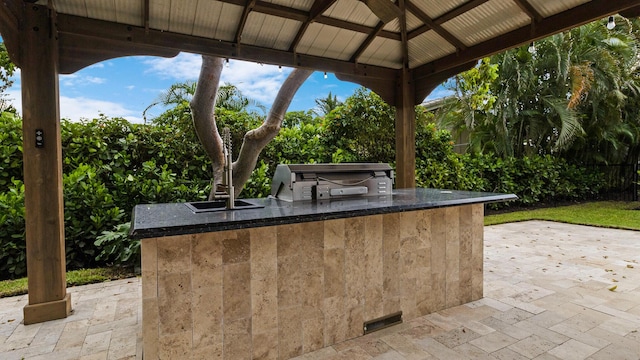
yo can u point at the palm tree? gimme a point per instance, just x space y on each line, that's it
567 97
325 105
229 97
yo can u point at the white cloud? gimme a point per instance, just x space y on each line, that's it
83 108
80 80
180 68
255 81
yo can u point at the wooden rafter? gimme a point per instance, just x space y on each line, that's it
430 24
243 20
530 10
365 44
577 16
77 28
9 28
403 34
145 15
318 7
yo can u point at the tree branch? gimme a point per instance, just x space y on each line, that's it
203 114
256 139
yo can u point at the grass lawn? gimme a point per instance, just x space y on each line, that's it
620 215
74 278
610 214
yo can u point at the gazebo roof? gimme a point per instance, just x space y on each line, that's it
365 41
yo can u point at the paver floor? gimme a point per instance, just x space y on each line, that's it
552 291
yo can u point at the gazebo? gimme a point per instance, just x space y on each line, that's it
400 49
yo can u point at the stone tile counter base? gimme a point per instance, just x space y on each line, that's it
276 292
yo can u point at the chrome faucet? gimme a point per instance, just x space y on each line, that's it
227 192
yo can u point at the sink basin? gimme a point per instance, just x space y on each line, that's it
220 205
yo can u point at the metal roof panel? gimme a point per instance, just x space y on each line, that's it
435 8
352 11
548 8
493 18
216 20
182 16
269 31
427 47
383 52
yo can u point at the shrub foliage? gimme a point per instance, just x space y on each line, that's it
110 165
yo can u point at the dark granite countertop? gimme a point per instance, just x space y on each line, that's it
156 220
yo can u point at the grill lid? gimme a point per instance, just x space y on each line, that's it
294 182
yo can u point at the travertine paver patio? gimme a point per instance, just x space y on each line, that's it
546 297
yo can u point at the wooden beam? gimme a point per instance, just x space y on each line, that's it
99 29
44 217
631 13
403 34
318 7
9 29
405 131
530 10
77 52
365 44
243 19
436 27
145 15
580 15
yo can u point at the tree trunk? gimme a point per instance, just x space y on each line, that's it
203 115
256 139
204 119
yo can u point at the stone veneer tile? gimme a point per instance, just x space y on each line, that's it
373 266
477 251
207 317
206 257
174 254
452 253
264 251
265 345
335 328
237 339
289 281
466 222
312 334
236 294
334 234
312 247
289 237
150 331
236 247
149 265
334 272
391 262
289 332
264 304
174 303
312 285
213 352
438 259
173 346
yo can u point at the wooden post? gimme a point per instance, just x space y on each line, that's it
42 155
405 132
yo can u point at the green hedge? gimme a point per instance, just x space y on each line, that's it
110 165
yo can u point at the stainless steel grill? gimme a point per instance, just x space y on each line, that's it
295 182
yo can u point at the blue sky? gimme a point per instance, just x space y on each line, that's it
124 87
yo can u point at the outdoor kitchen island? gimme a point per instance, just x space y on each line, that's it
287 278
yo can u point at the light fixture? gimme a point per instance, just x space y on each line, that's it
325 74
226 63
532 48
280 68
612 23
